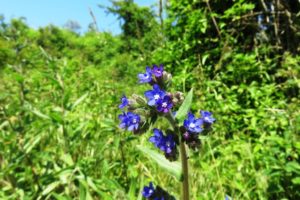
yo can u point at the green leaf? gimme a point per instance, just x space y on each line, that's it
56 117
185 107
296 180
32 143
81 192
50 187
78 101
173 168
67 158
292 167
39 114
132 189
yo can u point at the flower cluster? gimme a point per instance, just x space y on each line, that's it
136 119
157 193
165 143
139 113
192 127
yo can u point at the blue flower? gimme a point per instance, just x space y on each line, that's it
124 102
164 143
130 121
154 95
147 77
168 144
192 124
123 118
157 193
157 138
207 117
165 104
158 71
148 191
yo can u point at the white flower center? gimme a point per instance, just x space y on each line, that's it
156 96
134 121
164 105
168 144
192 125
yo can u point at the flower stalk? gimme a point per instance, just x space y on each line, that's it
141 114
184 159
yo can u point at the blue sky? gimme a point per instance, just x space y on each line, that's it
43 12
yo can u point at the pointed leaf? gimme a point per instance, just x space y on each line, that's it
78 101
39 114
50 187
185 107
173 168
32 143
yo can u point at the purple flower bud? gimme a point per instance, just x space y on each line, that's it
191 140
158 71
186 136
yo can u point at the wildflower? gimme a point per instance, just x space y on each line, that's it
191 140
154 95
130 121
158 71
157 138
157 193
168 144
164 104
123 118
148 191
207 117
165 143
147 77
192 124
124 102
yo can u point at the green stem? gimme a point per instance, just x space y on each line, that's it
184 164
184 159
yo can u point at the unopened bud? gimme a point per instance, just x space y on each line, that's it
140 100
167 77
179 96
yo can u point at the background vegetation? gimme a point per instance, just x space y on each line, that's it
59 96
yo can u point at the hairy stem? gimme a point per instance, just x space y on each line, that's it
184 159
184 164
